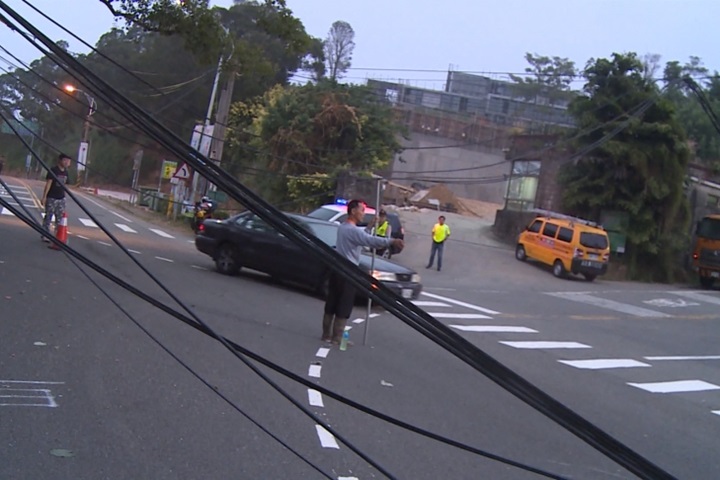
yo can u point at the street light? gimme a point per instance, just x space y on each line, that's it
83 150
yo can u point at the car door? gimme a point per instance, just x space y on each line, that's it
532 236
258 244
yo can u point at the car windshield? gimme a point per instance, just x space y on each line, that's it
709 228
327 232
322 213
593 240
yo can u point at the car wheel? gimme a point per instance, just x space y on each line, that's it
558 269
707 282
520 253
589 276
226 260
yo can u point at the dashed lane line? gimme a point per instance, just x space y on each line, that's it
104 243
322 352
315 398
327 440
165 259
315 371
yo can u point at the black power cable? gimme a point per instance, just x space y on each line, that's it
403 309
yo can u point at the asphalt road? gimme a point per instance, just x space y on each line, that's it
85 393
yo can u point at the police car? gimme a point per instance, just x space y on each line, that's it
337 212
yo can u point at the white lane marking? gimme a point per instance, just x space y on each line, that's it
83 237
198 267
601 363
716 412
26 394
358 320
462 304
539 345
698 297
422 303
609 304
326 438
165 259
678 386
88 223
493 329
135 252
348 478
697 357
373 315
104 243
161 233
314 371
315 398
5 211
120 216
125 228
322 352
191 241
32 382
467 316
669 302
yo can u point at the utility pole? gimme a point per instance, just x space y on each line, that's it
221 119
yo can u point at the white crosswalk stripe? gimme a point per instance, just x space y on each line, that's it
545 345
421 303
492 329
677 386
467 316
603 363
125 228
5 211
698 297
161 233
583 297
88 223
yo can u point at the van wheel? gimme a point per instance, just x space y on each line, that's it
558 269
520 253
589 276
707 282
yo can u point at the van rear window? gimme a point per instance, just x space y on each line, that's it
593 240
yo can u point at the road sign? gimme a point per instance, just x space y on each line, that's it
168 168
82 156
182 173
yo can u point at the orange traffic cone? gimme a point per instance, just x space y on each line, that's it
61 234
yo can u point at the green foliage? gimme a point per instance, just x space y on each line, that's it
550 77
690 114
639 171
295 141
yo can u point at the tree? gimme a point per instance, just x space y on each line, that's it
639 171
690 114
295 141
339 47
547 76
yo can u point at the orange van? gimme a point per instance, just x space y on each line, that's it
568 244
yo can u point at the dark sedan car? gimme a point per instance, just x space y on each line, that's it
245 240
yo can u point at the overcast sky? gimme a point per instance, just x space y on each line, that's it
419 40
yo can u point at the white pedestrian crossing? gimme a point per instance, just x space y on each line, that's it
545 345
492 329
604 363
161 233
677 386
467 316
698 297
627 308
88 223
5 211
125 228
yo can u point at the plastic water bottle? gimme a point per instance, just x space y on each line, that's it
344 340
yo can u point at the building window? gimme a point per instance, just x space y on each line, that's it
522 185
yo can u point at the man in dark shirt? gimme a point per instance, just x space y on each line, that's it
53 197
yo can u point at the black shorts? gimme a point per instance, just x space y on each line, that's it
341 297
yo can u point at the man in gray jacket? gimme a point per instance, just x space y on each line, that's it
341 293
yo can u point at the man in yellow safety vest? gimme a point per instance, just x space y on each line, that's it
440 233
